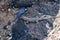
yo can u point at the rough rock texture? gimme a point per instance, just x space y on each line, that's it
41 21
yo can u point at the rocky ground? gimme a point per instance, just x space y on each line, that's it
41 21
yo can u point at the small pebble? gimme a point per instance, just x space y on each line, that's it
9 23
9 9
5 27
8 35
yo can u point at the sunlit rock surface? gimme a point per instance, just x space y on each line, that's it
41 21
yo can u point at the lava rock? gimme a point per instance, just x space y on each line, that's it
52 9
18 31
20 3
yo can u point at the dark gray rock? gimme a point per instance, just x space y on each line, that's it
20 3
18 31
49 9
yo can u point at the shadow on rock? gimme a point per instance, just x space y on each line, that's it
19 31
